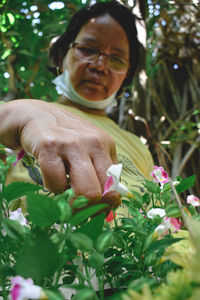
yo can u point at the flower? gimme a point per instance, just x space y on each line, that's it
20 155
110 217
24 288
193 200
167 223
174 224
113 182
160 175
17 215
141 211
152 213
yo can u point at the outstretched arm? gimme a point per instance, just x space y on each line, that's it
61 142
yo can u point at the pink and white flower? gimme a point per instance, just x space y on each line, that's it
113 182
24 289
17 215
160 175
193 200
167 223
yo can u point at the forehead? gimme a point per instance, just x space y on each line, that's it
104 31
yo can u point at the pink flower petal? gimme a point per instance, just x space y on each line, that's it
160 175
108 184
141 211
24 289
15 292
175 223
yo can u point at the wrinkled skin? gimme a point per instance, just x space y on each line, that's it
60 141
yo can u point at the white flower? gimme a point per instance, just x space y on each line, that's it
167 223
156 212
113 182
193 200
24 288
17 215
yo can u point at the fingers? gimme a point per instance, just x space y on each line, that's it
53 172
84 180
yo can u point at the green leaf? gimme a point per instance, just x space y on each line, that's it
138 200
6 53
146 198
52 295
18 189
85 294
13 228
84 214
80 202
38 258
81 241
66 210
186 183
104 241
11 18
166 196
137 284
96 260
152 187
161 244
43 210
93 228
66 195
10 159
173 211
118 240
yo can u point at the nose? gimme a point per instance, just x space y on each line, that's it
100 63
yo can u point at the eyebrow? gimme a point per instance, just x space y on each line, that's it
95 42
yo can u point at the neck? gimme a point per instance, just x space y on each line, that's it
64 100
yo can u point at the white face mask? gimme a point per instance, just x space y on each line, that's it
64 87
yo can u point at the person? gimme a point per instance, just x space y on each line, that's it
96 57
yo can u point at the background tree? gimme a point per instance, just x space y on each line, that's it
162 105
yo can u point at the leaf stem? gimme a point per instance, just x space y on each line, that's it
185 217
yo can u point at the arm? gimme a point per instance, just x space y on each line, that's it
60 141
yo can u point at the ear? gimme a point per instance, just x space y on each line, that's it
60 66
126 78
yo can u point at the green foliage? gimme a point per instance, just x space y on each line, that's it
43 210
16 190
61 246
70 246
186 183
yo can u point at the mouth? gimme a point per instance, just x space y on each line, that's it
95 82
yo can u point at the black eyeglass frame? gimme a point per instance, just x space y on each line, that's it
99 53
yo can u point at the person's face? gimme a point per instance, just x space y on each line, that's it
94 80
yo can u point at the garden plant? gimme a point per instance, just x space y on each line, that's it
50 249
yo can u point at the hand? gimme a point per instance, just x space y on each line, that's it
62 143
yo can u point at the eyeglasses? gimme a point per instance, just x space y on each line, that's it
114 62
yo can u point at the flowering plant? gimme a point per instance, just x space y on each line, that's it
49 252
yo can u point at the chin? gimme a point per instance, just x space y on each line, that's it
93 92
93 97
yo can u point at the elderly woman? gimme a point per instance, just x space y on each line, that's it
96 57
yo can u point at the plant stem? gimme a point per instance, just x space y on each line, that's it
185 218
100 284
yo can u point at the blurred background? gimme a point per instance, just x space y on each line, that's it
161 106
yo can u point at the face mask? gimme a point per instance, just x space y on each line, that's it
64 87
